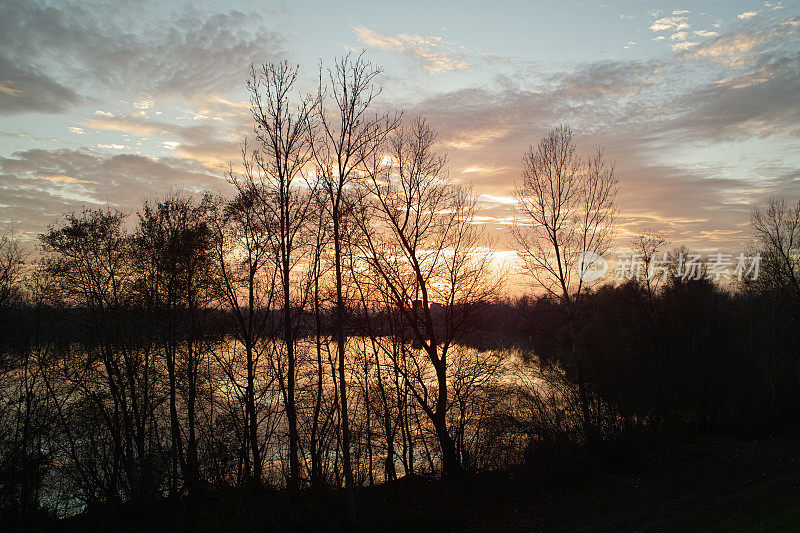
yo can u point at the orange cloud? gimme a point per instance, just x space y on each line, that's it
427 49
61 178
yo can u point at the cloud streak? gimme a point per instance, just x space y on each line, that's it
430 51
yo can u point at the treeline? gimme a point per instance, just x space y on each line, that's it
693 356
337 322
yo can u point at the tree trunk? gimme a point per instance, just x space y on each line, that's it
291 412
451 465
255 475
340 346
192 466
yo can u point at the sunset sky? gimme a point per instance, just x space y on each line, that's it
697 102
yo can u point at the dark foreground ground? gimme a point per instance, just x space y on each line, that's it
730 483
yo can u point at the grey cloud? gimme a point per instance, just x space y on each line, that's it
90 46
604 79
37 185
761 102
751 80
23 91
32 207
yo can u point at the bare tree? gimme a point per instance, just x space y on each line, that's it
173 256
27 443
566 207
89 257
376 313
323 410
12 258
247 286
343 136
425 254
284 150
646 246
778 230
